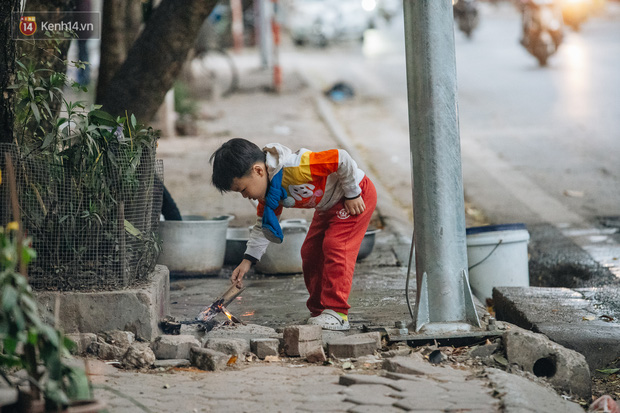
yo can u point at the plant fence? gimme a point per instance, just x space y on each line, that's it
94 228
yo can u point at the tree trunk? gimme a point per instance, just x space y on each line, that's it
7 70
120 27
155 59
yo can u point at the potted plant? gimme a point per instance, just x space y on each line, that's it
30 344
88 187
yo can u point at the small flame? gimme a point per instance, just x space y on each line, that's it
248 314
225 311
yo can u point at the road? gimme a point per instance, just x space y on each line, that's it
538 144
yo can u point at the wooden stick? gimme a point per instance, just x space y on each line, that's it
230 294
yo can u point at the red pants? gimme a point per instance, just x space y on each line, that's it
330 251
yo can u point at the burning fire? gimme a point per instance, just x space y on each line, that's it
225 311
248 314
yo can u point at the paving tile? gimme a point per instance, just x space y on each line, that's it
376 394
351 379
374 409
427 402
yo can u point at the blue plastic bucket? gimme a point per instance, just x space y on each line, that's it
497 257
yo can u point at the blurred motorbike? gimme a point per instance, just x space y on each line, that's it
575 12
466 15
542 29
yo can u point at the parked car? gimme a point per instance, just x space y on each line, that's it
312 21
320 22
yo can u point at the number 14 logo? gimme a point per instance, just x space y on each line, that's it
28 25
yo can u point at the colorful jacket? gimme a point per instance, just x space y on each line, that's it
311 180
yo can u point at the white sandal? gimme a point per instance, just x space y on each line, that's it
330 320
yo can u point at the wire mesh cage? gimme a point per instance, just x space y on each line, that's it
94 226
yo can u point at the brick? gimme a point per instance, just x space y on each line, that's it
173 346
566 370
207 359
413 364
293 336
355 345
316 356
233 346
264 347
82 342
139 355
172 363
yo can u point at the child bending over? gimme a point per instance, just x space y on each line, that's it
343 197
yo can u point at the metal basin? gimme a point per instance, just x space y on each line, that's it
289 252
236 240
285 258
195 246
368 243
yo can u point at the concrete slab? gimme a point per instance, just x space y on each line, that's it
136 309
568 317
522 395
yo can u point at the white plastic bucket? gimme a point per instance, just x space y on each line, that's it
497 256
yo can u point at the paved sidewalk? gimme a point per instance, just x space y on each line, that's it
389 381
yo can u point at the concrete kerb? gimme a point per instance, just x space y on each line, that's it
138 309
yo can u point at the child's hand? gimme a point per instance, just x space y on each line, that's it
237 275
354 206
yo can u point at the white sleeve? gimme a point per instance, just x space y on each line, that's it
347 173
257 243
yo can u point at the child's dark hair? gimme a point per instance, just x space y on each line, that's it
234 159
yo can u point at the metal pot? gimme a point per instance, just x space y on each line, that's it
285 258
194 246
368 244
236 243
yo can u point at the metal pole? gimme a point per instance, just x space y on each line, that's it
275 31
236 9
264 32
444 302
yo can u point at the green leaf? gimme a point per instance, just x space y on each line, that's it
10 345
103 117
47 140
9 298
79 388
55 393
608 371
35 111
132 230
133 121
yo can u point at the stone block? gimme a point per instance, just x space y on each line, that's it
413 364
118 338
264 347
565 369
173 346
207 359
138 356
136 309
316 356
82 342
106 351
233 346
302 339
354 345
171 363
